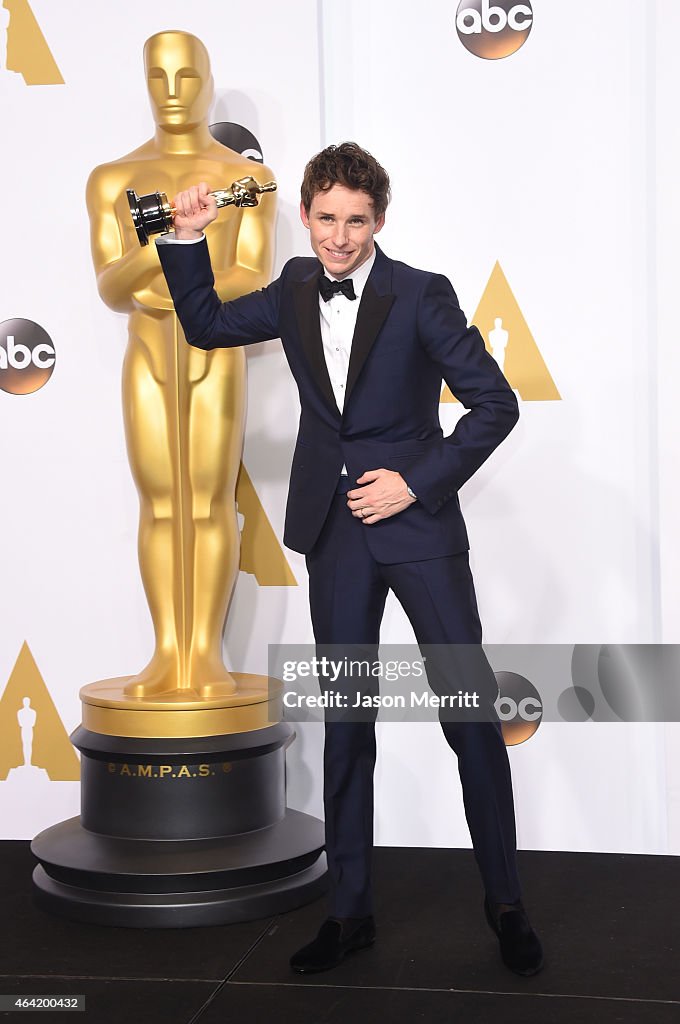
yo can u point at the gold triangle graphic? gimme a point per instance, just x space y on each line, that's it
51 748
261 553
27 51
524 365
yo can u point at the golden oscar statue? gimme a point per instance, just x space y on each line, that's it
184 409
183 814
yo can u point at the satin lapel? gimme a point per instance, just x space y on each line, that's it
306 299
370 318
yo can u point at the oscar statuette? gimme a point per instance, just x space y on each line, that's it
152 214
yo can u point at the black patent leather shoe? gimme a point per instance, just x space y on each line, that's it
521 949
337 937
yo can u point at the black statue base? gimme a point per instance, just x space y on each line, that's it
180 884
151 215
181 833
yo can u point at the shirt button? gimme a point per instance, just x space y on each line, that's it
337 349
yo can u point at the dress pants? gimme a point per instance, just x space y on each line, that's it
347 593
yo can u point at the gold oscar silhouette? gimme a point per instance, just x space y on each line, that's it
183 806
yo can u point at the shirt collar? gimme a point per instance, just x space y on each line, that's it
359 277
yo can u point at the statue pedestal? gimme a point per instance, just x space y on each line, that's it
183 815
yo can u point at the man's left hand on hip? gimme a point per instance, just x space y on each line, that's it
383 493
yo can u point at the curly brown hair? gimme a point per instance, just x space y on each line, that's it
349 165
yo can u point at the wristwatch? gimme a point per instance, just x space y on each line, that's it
411 492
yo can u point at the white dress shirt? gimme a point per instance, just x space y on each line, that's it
338 320
169 237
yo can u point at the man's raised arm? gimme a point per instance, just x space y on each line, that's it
207 321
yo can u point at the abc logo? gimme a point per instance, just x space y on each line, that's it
241 140
27 356
493 28
519 707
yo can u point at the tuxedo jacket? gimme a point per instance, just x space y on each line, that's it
410 334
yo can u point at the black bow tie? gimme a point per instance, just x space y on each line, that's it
328 288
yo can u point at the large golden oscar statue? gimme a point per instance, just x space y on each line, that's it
184 408
183 750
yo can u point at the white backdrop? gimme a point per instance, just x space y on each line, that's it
558 162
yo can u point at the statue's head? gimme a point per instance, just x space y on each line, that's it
178 76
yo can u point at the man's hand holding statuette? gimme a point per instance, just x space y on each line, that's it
195 208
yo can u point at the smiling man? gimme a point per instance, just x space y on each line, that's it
373 501
342 223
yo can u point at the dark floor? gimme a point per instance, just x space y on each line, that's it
609 924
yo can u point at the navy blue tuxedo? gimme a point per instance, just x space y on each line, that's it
410 334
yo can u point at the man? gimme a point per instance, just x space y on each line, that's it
373 498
